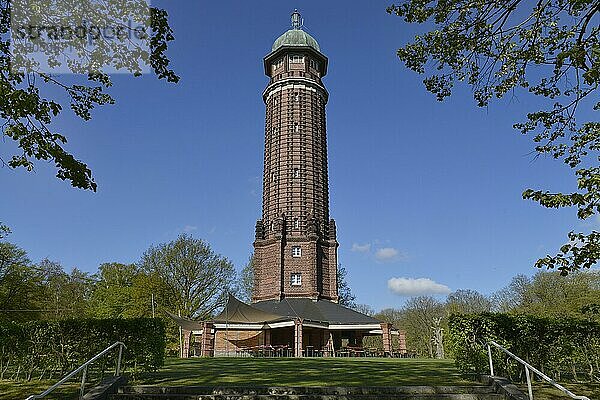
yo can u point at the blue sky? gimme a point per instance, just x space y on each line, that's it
419 189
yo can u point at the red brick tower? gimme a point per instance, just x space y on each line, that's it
295 248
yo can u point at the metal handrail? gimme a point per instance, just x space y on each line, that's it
83 367
529 367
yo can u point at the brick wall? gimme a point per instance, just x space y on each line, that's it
295 185
232 340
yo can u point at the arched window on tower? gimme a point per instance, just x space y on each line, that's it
277 64
296 58
296 223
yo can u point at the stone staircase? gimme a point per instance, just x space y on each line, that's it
475 392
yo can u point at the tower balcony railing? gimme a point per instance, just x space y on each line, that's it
292 74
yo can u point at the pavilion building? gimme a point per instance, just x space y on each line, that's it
294 308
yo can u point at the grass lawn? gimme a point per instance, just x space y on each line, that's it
305 372
274 372
296 372
21 390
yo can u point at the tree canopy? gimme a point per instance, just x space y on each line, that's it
31 97
197 279
546 49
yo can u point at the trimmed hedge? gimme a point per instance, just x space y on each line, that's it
47 348
556 346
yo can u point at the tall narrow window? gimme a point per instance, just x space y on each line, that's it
296 224
296 173
296 279
296 251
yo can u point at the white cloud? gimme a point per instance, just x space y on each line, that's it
361 248
386 254
416 287
189 228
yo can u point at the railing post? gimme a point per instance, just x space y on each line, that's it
529 368
529 383
83 377
119 360
489 348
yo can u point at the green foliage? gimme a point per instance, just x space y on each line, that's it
26 108
37 348
549 294
467 301
62 295
582 251
11 256
123 291
550 49
557 346
18 285
418 318
4 231
196 279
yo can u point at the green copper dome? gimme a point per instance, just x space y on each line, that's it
296 37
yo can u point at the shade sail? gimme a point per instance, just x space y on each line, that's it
318 311
265 312
185 323
237 312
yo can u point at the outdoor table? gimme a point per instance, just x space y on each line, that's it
372 352
356 351
343 353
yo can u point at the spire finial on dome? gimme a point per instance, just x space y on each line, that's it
297 21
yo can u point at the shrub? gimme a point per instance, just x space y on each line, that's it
49 347
554 345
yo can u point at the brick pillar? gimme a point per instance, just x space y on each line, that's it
387 338
267 333
298 338
208 343
402 342
187 336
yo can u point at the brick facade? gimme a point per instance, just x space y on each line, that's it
295 235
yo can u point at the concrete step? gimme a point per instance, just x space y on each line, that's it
306 390
476 392
172 396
